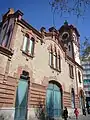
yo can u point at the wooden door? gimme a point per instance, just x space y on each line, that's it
53 101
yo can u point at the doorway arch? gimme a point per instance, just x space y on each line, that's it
54 100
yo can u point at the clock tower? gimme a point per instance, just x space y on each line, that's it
69 36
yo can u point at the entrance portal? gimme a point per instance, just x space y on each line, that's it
54 101
21 98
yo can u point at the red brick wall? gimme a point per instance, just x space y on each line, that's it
37 95
66 99
76 101
7 91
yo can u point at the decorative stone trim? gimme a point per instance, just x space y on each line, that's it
5 51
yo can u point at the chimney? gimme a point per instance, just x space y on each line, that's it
11 11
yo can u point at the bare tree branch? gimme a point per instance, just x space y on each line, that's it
76 7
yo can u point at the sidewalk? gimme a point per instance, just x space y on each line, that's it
81 117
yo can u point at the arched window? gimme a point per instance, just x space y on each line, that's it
51 57
72 98
71 72
79 76
28 45
69 47
54 60
7 37
81 99
3 32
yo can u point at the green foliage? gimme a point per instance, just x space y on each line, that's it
2 117
40 112
76 7
85 50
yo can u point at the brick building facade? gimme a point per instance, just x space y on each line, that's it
38 69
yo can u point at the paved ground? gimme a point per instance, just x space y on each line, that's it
87 117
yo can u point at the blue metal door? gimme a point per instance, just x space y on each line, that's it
53 101
21 100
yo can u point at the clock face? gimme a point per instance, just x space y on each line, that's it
74 37
65 35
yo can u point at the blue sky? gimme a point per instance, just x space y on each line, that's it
38 13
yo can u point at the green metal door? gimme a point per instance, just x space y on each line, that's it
21 100
53 101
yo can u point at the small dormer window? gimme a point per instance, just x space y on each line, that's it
28 45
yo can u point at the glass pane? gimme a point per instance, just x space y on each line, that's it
22 88
54 61
59 62
5 40
3 31
50 57
25 43
31 46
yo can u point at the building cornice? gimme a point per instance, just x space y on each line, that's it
22 21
